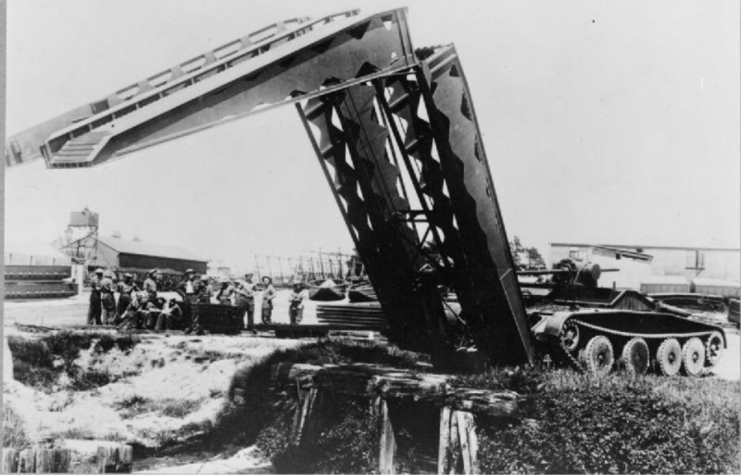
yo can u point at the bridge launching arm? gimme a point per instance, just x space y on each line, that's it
397 137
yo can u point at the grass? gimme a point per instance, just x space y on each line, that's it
39 362
575 423
14 429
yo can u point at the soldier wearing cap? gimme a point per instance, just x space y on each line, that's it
150 285
107 298
95 310
245 300
125 288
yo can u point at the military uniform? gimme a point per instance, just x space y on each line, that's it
108 301
125 291
188 290
245 300
95 310
224 295
298 301
150 287
267 304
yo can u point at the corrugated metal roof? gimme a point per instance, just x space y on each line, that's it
141 248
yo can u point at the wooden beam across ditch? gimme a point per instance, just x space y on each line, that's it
381 385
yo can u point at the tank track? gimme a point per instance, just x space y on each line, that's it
612 334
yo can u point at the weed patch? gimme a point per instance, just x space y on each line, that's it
574 423
14 429
39 362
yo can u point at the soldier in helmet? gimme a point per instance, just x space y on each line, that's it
245 299
95 310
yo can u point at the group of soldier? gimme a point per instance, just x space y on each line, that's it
144 308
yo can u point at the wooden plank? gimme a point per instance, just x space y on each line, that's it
392 383
115 459
27 461
53 460
387 443
444 440
467 432
10 461
454 444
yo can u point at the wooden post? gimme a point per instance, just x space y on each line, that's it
468 441
458 442
10 461
304 414
27 461
53 460
444 440
388 442
116 459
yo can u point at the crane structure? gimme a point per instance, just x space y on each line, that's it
396 135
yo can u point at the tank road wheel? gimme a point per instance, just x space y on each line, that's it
570 336
597 356
714 348
693 357
669 357
636 356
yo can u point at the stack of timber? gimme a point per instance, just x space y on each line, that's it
396 397
356 316
38 282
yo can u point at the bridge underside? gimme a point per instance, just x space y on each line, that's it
397 138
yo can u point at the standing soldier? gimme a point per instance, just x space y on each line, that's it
245 298
150 285
125 288
224 296
204 294
298 300
93 313
268 294
188 290
107 298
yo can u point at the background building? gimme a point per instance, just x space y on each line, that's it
140 256
704 262
684 263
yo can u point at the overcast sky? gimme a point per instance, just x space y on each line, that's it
604 122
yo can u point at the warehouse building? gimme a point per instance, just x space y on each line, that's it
139 256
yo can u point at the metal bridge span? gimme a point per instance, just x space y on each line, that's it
396 135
